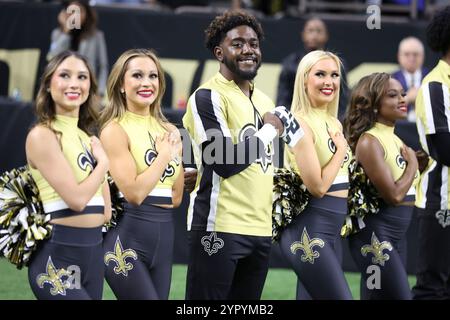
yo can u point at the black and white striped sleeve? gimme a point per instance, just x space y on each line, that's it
214 136
436 102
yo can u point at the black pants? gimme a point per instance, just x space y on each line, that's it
143 268
69 265
301 292
226 266
388 227
433 257
308 244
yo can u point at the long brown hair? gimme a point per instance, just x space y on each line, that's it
117 104
45 106
364 105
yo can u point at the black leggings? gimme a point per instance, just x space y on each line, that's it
69 265
144 268
433 255
308 244
389 227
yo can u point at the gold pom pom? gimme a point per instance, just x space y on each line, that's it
290 198
23 222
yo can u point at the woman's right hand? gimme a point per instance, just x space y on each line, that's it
163 146
410 157
99 154
339 141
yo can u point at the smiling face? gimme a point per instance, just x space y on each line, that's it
140 84
69 86
393 104
322 83
240 54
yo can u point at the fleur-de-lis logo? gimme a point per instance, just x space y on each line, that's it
401 162
212 243
376 248
307 245
249 130
54 278
119 256
150 156
86 159
332 148
443 217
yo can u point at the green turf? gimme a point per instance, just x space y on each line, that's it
280 284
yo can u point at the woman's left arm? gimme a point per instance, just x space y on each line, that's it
107 199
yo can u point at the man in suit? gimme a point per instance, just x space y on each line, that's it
410 56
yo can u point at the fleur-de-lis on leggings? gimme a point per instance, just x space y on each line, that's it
307 245
54 278
119 256
376 248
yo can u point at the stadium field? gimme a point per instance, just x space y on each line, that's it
280 284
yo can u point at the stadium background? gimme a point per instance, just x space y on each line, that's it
178 39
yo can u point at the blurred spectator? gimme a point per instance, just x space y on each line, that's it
268 7
410 56
85 38
178 3
314 36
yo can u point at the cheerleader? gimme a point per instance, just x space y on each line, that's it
69 167
377 103
321 159
145 156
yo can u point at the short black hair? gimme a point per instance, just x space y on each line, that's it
218 28
438 31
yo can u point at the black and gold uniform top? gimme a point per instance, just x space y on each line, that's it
75 144
142 132
433 116
234 184
391 144
319 121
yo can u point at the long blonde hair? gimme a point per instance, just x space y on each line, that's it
301 104
117 105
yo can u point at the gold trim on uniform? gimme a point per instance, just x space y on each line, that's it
119 256
307 245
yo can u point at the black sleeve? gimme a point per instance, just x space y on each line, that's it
439 147
218 149
234 158
286 84
436 97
